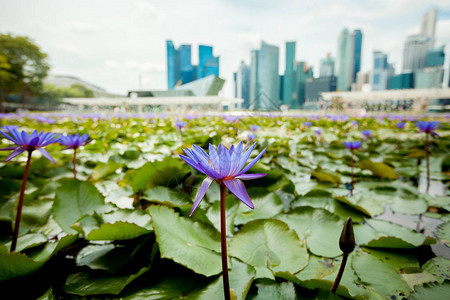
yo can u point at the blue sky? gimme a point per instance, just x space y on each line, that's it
110 43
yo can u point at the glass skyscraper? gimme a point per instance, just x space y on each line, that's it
264 78
382 71
289 80
356 49
415 52
327 66
242 84
344 66
303 74
179 66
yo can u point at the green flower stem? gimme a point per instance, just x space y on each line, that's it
427 154
223 242
75 163
19 207
340 273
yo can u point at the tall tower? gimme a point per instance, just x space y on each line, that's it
428 24
208 64
289 86
344 66
327 66
173 65
242 84
356 53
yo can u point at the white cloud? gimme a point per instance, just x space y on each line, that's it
82 27
146 8
133 65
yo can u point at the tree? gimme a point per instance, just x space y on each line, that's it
26 64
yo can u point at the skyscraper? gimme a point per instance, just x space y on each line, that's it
382 71
428 24
242 84
208 64
173 65
344 66
435 57
264 78
415 52
327 66
289 79
303 74
356 51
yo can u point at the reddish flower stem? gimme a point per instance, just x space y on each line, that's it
74 163
427 154
223 243
19 206
340 273
351 183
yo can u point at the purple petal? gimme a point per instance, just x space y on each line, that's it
235 158
33 142
190 162
214 157
238 189
253 162
8 137
16 152
25 138
224 162
245 157
201 193
10 148
45 153
251 176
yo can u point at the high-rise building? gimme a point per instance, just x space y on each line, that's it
303 74
428 78
289 80
382 71
314 87
264 78
327 66
415 52
402 81
242 84
344 67
428 24
356 53
173 65
435 57
208 64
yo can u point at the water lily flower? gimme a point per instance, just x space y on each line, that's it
428 127
318 131
400 125
29 142
225 166
353 145
251 137
74 141
367 133
307 124
26 142
254 128
180 124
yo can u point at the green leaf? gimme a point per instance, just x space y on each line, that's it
443 233
168 172
432 291
47 296
381 271
121 224
241 276
382 234
367 205
323 176
266 206
166 196
231 206
102 170
191 244
378 169
84 284
413 279
28 241
270 290
320 228
439 267
269 244
73 200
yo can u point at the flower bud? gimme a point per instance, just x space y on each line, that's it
347 239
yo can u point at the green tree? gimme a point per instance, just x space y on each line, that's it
28 66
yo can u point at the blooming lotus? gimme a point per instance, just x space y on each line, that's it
400 125
74 141
254 128
367 133
428 127
353 145
29 142
180 124
225 166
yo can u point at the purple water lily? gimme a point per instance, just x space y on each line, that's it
353 145
180 124
367 133
251 137
224 166
400 125
254 128
24 141
74 142
227 168
307 124
428 127
318 131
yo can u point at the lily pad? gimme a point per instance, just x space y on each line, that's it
378 169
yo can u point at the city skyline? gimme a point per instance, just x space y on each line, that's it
112 45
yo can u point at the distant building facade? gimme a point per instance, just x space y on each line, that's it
382 71
415 52
327 66
348 58
264 78
242 84
179 66
303 74
402 81
356 50
289 94
315 86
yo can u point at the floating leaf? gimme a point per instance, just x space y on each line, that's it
28 241
320 228
266 206
432 291
166 196
102 170
439 267
269 244
378 169
188 243
443 233
270 290
73 200
323 176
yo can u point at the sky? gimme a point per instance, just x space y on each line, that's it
121 45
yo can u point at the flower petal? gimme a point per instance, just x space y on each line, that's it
8 137
245 157
238 189
214 157
190 162
251 176
16 152
201 193
45 153
253 162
